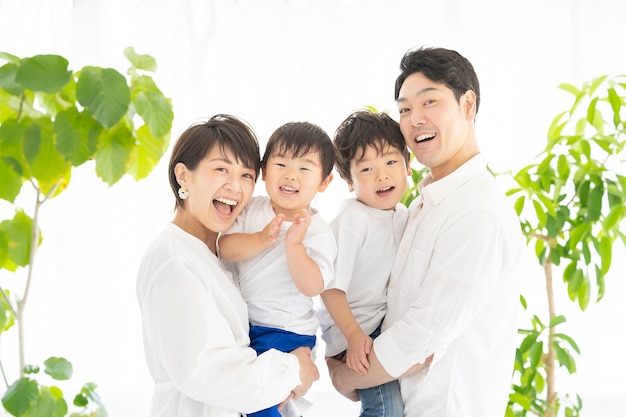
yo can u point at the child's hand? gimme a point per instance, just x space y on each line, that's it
359 346
270 232
297 231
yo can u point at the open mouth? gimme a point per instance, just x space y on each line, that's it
224 205
288 190
425 137
385 190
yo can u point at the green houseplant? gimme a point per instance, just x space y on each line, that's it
53 119
571 203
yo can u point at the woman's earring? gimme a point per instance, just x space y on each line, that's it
183 193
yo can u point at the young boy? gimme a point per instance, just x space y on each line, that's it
282 249
373 159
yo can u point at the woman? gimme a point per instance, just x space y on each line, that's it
195 322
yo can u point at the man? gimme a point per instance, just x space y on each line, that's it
453 292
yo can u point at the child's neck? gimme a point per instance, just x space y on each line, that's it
289 214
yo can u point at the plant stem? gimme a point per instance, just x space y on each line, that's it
551 357
21 304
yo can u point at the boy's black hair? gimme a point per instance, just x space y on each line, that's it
365 128
297 139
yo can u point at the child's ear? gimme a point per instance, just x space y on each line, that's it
263 172
325 183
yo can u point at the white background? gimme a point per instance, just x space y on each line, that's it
270 62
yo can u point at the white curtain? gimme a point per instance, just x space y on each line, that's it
273 61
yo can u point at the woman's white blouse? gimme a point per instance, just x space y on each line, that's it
195 330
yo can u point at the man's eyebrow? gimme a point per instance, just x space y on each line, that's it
420 92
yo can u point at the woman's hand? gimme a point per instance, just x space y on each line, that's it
308 371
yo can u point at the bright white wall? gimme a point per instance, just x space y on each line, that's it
270 62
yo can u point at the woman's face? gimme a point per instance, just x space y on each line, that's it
219 188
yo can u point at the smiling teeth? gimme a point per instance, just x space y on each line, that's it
226 201
425 136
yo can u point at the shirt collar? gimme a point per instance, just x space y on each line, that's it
436 191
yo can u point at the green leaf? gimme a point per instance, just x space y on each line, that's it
114 154
11 183
58 368
8 72
47 73
77 136
31 369
569 340
578 233
563 168
540 213
156 110
570 89
584 294
564 358
146 154
139 61
47 405
523 302
594 204
46 164
616 103
7 319
18 232
556 320
104 94
20 396
605 250
614 217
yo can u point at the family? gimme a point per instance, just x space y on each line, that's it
417 306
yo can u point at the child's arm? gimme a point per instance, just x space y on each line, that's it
304 271
359 344
237 247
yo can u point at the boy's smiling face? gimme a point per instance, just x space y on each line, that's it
292 182
379 179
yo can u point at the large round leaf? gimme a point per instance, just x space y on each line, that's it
76 135
20 396
113 154
7 79
140 61
147 153
18 232
11 183
58 368
46 164
103 92
47 73
156 111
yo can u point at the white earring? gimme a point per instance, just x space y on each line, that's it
183 193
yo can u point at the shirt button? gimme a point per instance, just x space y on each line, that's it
403 250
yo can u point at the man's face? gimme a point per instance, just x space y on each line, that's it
437 128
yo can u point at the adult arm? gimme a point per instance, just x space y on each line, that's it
346 381
461 276
195 336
